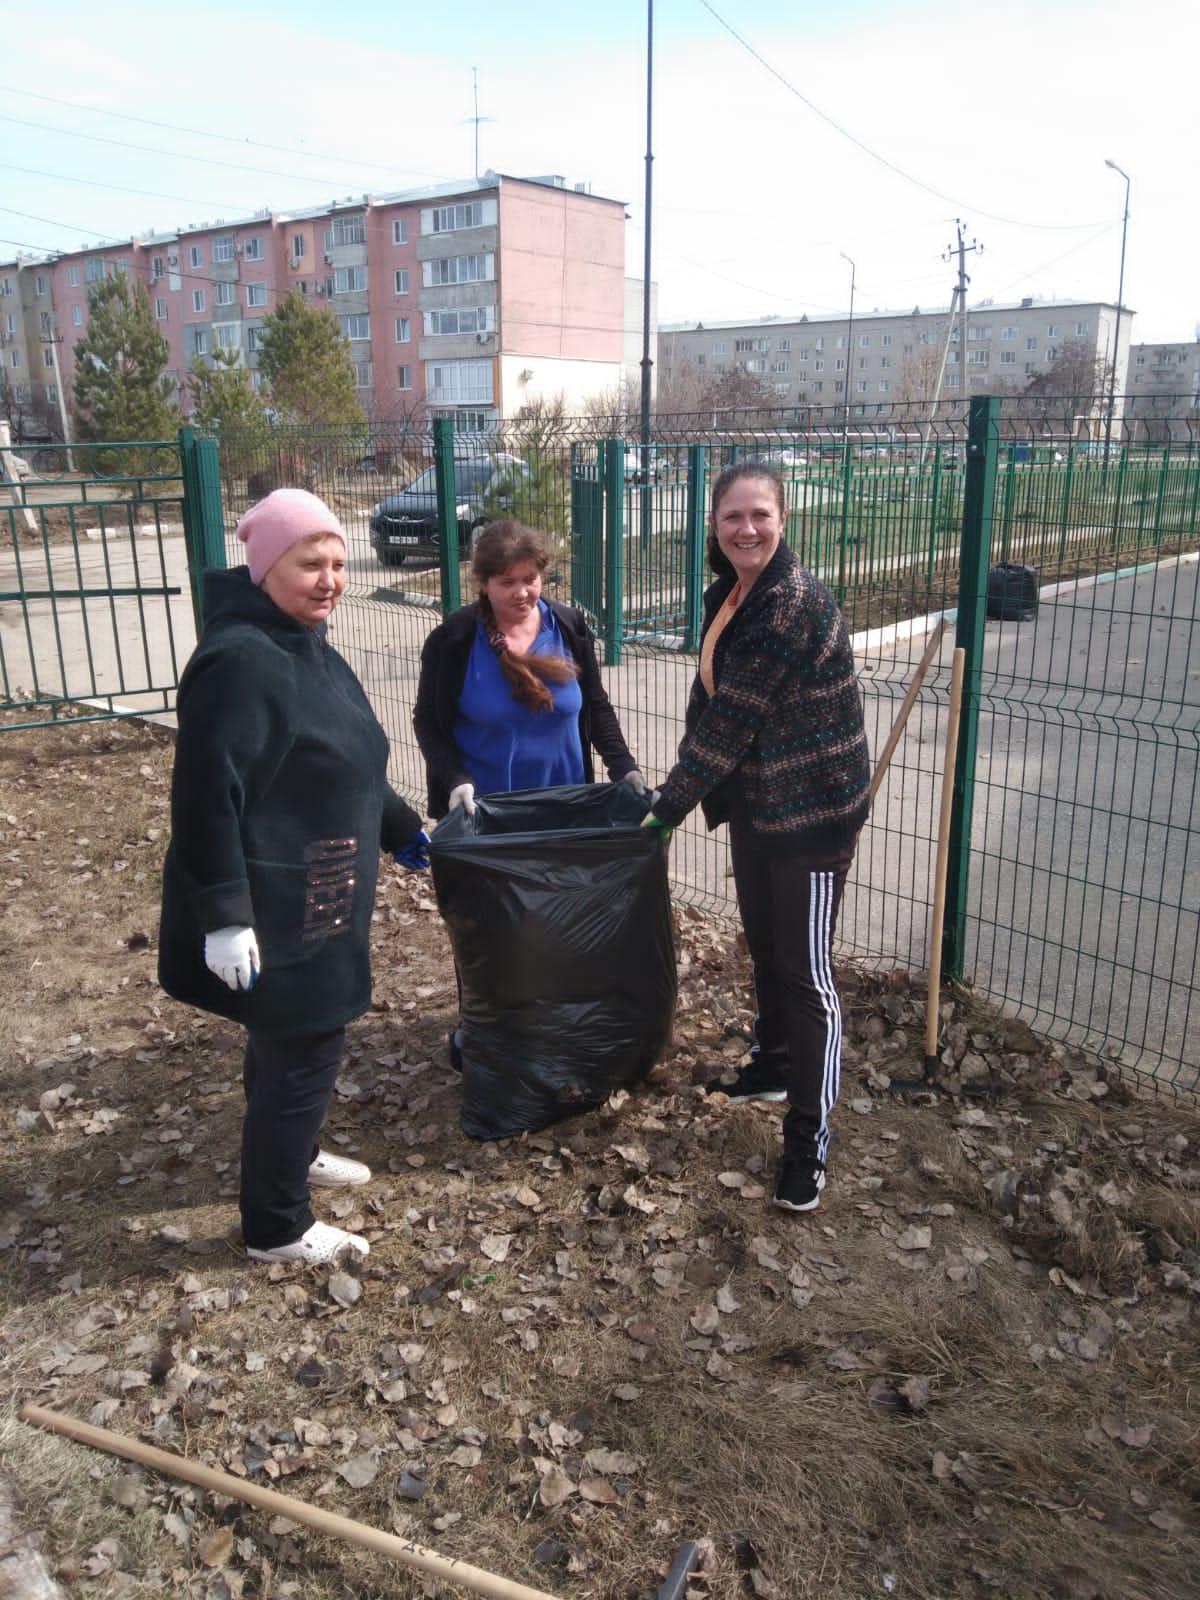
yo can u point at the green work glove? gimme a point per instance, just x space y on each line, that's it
663 830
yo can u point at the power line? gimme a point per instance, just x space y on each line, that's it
224 138
874 154
122 188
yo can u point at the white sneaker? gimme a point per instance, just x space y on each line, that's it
337 1172
319 1245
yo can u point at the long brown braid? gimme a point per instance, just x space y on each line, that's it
500 546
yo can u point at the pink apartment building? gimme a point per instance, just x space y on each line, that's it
468 300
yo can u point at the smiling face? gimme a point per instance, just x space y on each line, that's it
514 593
748 523
308 579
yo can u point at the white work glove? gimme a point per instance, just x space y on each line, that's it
232 954
463 796
636 782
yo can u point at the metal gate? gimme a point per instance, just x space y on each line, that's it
97 606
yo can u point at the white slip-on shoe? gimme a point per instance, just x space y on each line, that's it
337 1172
320 1245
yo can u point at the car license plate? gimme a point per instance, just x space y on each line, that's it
403 538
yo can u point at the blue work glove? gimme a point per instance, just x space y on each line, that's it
415 854
231 954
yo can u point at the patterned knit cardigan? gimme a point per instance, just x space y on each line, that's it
785 721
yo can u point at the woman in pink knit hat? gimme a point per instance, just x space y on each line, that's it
280 806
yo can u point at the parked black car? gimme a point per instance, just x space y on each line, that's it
404 527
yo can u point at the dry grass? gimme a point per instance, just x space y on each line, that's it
860 1418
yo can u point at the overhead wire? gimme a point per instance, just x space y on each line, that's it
883 160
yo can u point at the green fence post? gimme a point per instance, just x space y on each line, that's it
614 550
696 535
203 518
983 454
844 536
447 508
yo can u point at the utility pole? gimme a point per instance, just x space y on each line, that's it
958 302
849 349
647 363
1116 355
64 422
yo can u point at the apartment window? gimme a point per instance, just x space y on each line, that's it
39 285
977 333
1008 333
223 248
885 340
44 325
781 366
10 322
952 381
1029 368
1008 358
819 342
401 280
755 365
72 276
298 247
160 309
839 363
228 336
783 388
197 299
864 341
252 341
1139 361
884 386
803 355
357 326
718 349
700 360
346 230
256 294
403 330
362 374
459 382
196 256
840 342
460 269
199 342
77 316
223 295
1031 342
447 218
741 346
1053 330
14 358
52 394
863 363
157 267
818 386
400 236
253 249
979 358
349 280
953 358
860 386
404 377
469 319
1051 352
784 344
818 366
93 269
885 361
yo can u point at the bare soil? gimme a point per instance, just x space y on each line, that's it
971 1372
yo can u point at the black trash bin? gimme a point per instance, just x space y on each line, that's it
1012 594
558 910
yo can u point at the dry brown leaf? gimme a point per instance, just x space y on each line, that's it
598 1490
495 1246
344 1289
360 1470
216 1548
555 1487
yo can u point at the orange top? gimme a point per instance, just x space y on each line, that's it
716 628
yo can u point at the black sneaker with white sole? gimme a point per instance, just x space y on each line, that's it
799 1184
757 1080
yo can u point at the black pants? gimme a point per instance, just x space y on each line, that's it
288 1084
789 912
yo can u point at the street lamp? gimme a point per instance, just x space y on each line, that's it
849 350
1112 376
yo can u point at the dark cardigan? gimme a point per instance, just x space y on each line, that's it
444 659
782 735
279 808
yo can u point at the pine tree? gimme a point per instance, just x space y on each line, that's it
304 358
225 404
121 387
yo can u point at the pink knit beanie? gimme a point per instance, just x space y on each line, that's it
275 524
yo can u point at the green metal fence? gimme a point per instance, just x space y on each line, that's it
1073 886
95 608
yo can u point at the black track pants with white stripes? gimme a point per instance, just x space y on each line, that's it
789 912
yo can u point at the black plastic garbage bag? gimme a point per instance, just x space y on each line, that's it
558 909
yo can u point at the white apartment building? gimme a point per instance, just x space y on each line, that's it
894 356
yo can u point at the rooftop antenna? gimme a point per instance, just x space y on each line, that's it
476 119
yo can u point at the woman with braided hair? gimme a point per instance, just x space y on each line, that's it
510 695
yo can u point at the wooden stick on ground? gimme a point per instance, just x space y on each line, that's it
943 856
906 705
284 1505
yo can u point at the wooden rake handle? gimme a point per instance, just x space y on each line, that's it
906 705
284 1505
